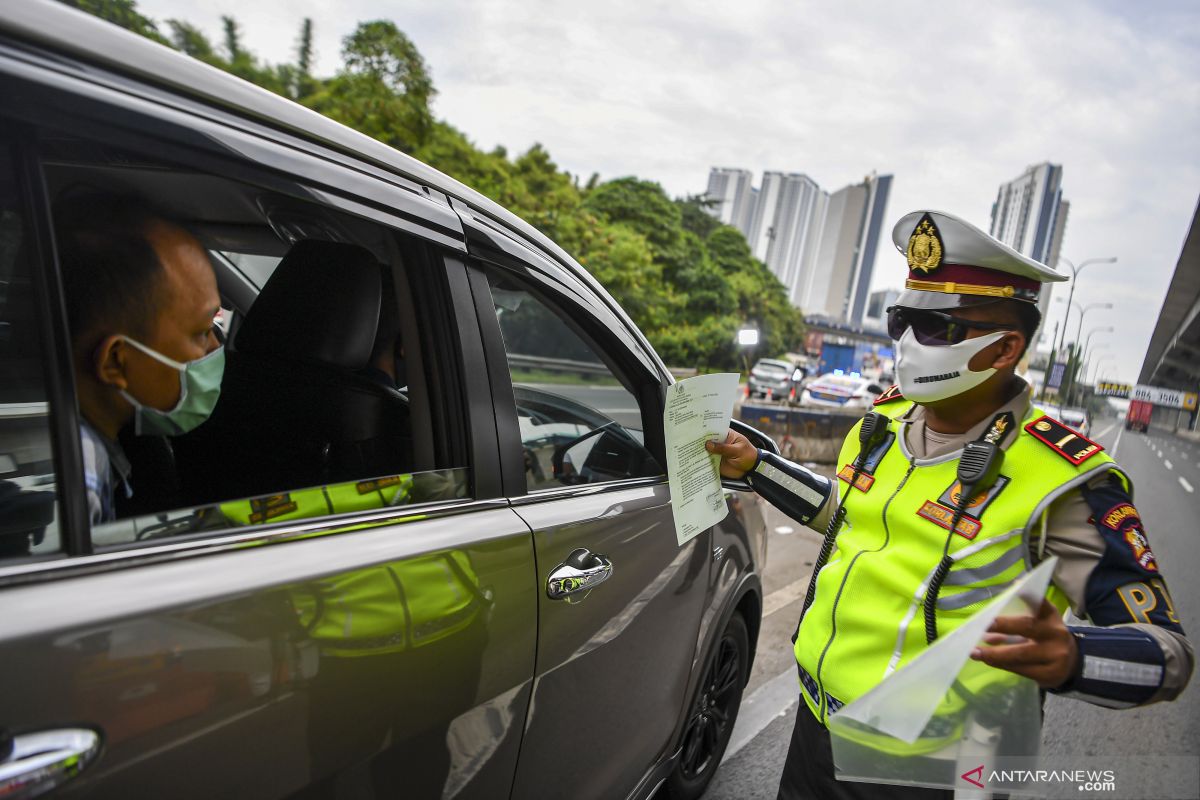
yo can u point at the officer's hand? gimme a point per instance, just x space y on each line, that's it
737 455
1038 647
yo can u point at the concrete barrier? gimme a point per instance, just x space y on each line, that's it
803 434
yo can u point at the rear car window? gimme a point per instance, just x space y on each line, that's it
313 413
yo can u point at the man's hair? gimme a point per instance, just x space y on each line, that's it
111 274
1023 316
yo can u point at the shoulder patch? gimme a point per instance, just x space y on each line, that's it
888 395
1074 447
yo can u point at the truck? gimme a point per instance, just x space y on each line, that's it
1137 418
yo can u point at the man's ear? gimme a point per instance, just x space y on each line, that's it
1010 349
108 362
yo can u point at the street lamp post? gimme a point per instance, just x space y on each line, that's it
1099 361
1074 279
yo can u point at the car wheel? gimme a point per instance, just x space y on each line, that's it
712 713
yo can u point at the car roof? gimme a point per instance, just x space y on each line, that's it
773 362
60 28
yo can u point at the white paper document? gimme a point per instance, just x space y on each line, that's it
698 410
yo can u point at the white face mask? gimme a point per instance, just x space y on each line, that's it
928 373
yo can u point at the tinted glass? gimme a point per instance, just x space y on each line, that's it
310 415
28 517
579 422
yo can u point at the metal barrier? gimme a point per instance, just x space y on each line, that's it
584 369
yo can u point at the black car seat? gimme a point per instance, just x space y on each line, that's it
295 409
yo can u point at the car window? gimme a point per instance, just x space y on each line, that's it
28 509
288 398
772 367
579 422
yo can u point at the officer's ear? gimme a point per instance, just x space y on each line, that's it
1009 350
108 362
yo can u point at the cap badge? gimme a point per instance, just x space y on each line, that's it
925 246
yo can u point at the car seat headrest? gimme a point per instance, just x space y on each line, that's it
321 304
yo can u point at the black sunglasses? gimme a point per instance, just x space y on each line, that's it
934 327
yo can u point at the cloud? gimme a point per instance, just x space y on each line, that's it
951 98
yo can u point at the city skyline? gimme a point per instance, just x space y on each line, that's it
820 245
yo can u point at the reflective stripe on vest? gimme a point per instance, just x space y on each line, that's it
867 619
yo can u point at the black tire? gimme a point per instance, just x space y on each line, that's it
712 713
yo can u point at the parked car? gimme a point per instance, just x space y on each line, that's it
460 583
838 390
771 377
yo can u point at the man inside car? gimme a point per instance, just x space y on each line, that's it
141 298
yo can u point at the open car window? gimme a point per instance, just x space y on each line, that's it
578 420
316 414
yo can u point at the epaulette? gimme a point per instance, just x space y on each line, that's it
889 394
1071 445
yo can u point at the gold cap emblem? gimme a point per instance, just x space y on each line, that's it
925 246
1043 426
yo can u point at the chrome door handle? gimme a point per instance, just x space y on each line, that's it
583 570
45 760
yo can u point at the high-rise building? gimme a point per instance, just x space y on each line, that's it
1030 216
762 219
877 306
796 223
840 279
733 197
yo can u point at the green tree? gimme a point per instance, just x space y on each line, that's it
120 12
383 89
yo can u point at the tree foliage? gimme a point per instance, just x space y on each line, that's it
687 280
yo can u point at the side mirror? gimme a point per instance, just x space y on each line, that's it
759 440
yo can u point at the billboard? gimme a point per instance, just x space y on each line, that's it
1170 398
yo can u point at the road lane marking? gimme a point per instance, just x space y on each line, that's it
780 598
1167 464
764 705
1183 482
1117 443
1106 431
784 530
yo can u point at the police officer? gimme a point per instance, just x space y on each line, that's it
910 511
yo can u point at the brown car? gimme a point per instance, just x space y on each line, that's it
454 577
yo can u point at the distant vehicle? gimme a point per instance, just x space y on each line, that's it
1137 418
840 390
1076 418
774 378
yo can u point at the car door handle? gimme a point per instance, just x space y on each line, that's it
583 570
44 760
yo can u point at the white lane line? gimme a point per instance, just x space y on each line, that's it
1167 464
1117 443
784 530
764 705
1183 482
784 597
1159 452
1106 431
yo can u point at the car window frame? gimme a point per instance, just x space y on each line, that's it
172 143
646 388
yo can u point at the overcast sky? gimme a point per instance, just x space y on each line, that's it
950 98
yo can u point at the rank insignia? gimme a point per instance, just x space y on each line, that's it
1071 445
888 395
925 246
979 503
967 527
864 481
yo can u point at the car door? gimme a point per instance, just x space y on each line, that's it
247 647
614 660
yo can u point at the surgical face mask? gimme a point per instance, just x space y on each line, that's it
928 373
199 388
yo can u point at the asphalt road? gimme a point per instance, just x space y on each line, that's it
1152 750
